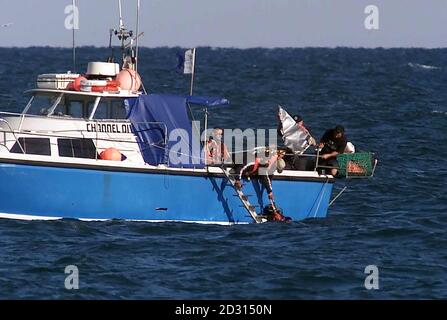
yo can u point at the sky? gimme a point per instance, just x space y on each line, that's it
230 23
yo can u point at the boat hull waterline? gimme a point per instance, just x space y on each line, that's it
41 191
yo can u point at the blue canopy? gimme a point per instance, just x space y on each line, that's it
207 101
163 129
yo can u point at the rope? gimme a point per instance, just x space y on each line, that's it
319 199
340 193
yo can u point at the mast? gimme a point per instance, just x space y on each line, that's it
137 29
193 70
121 29
123 35
73 30
121 15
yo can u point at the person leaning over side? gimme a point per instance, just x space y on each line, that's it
332 144
263 168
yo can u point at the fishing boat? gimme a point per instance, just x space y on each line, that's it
96 146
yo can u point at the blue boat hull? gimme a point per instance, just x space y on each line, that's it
44 191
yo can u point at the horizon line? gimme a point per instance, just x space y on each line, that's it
230 47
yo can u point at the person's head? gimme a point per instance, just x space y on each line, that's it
339 131
298 119
217 134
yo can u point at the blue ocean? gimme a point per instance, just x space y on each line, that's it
390 101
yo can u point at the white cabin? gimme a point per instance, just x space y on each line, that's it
72 122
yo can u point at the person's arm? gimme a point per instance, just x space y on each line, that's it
272 163
238 183
330 155
341 146
225 155
325 138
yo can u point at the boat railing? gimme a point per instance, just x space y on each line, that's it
13 133
350 165
10 113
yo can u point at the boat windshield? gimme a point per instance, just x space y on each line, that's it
110 108
74 106
41 104
77 106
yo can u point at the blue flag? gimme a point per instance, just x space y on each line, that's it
180 63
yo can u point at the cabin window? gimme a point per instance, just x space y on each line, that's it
70 108
102 110
110 109
77 148
119 109
39 146
74 106
75 109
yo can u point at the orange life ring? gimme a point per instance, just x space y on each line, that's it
109 86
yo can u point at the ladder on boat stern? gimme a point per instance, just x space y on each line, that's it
244 199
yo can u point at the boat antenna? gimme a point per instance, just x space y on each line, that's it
123 34
121 28
137 28
74 43
112 56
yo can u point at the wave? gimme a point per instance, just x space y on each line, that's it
439 112
422 66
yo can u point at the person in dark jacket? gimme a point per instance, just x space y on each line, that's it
332 144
